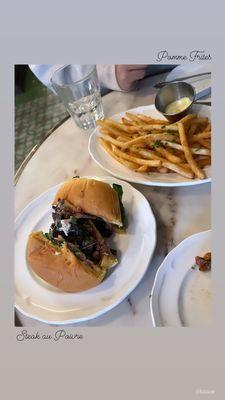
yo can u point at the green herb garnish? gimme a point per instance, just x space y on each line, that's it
119 190
75 249
114 252
50 237
73 220
156 144
47 236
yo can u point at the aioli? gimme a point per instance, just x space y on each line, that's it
178 105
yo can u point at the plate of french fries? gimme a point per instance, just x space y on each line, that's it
141 146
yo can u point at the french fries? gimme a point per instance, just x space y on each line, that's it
149 120
147 145
128 164
194 150
147 139
187 152
137 160
205 143
168 155
179 168
203 135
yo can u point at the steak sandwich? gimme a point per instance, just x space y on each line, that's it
75 255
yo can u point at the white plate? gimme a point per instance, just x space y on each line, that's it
182 296
38 300
109 164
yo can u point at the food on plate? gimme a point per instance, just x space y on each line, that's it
148 145
188 153
204 263
75 255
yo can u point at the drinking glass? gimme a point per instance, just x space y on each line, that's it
78 88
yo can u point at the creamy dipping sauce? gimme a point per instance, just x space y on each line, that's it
178 105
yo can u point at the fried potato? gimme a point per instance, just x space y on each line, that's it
188 118
168 155
137 160
126 121
123 139
204 161
134 118
152 127
180 169
149 120
143 168
187 152
148 139
194 150
205 143
112 140
128 164
208 127
192 130
113 128
202 135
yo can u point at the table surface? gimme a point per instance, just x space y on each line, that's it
179 212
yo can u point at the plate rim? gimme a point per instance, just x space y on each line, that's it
162 265
120 299
193 182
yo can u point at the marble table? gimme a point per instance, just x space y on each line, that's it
179 212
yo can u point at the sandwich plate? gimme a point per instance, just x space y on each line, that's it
181 294
38 300
109 164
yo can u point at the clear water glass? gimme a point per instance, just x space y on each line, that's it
78 88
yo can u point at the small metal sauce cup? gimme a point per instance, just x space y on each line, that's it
172 92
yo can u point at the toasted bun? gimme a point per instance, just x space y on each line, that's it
94 197
59 266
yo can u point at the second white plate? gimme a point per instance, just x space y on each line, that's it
182 296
